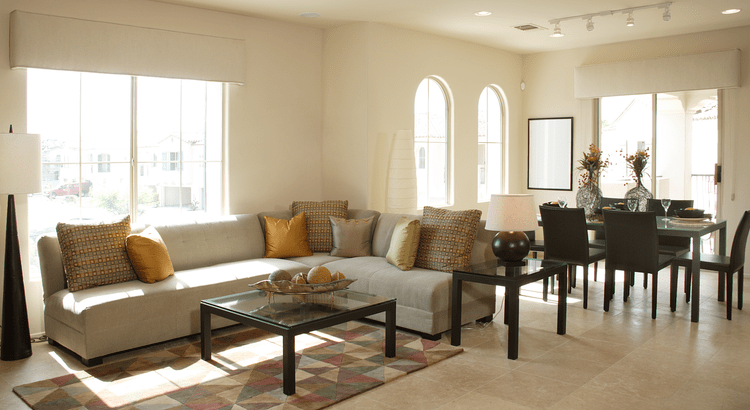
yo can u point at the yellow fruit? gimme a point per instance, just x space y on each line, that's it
299 279
338 276
280 275
319 274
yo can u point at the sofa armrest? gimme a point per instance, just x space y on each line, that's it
50 262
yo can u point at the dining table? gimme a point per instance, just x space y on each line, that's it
692 228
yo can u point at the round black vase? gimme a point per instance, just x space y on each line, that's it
511 246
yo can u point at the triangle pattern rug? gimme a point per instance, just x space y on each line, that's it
245 373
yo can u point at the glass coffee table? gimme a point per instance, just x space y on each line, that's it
289 315
512 278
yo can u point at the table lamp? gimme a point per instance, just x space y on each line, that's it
20 173
511 215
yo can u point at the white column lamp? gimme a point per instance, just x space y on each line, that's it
511 215
20 173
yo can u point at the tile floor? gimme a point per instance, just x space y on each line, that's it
616 360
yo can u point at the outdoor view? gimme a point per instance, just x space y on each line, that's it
430 143
95 168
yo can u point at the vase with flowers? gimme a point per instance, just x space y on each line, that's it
637 165
589 195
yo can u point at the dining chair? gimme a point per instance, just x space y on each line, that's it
726 266
670 245
566 239
632 246
598 241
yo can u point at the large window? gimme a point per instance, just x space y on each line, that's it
431 137
95 165
490 150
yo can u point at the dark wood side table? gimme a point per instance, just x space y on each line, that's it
512 278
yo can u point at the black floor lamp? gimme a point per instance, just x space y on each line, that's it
20 173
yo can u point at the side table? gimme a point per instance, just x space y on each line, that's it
512 278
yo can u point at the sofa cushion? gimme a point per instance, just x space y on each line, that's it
351 237
319 230
149 256
94 253
286 238
447 238
404 243
381 238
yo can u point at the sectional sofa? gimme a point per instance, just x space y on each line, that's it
223 256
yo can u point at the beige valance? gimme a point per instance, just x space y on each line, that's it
62 43
705 71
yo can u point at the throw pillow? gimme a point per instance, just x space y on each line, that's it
352 237
404 243
149 256
447 238
286 238
94 254
318 225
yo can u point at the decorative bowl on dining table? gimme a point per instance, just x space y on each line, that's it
690 213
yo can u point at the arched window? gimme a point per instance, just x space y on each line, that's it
490 150
431 134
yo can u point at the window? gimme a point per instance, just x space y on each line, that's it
490 149
87 140
431 135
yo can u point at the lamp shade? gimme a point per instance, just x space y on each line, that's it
20 163
511 212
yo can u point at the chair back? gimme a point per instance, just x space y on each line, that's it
565 235
632 241
654 205
739 243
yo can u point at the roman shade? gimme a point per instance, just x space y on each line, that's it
713 70
62 43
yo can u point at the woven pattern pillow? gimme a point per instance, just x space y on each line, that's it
149 256
286 238
404 243
95 254
319 231
447 238
352 237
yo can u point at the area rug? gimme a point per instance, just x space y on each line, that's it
245 373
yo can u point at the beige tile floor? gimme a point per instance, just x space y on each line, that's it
617 360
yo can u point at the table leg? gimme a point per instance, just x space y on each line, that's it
511 307
205 334
696 268
288 365
390 332
562 308
456 312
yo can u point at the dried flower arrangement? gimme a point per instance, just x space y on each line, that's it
592 163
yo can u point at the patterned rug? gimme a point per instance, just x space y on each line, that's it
245 373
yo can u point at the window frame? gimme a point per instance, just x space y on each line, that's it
447 175
502 127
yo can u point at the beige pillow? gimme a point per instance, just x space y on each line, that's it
319 232
149 256
94 254
286 238
352 237
447 238
404 243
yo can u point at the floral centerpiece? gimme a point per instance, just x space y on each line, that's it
589 194
637 165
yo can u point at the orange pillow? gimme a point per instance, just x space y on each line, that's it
287 238
149 256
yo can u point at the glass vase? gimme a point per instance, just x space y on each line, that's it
640 193
589 197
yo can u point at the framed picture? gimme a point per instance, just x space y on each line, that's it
550 163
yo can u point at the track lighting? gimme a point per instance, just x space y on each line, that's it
558 32
631 21
590 25
666 16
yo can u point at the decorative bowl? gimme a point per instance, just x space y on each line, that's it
689 213
287 287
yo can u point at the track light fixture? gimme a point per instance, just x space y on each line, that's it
590 24
557 32
666 16
630 22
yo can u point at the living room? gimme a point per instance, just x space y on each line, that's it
350 89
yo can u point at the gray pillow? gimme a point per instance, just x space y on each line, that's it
352 237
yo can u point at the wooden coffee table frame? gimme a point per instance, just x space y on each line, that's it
289 332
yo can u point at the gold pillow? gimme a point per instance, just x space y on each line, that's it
149 256
404 243
287 238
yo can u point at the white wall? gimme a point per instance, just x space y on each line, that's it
549 93
275 119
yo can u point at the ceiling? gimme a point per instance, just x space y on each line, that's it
456 19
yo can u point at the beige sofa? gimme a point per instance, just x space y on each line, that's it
224 256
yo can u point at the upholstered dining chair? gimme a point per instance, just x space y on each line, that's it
670 245
726 266
632 246
566 239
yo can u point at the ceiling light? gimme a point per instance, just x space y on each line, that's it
558 32
482 13
631 21
731 11
309 14
590 25
666 16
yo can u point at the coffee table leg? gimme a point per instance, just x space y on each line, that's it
288 365
562 307
205 334
456 312
511 308
390 331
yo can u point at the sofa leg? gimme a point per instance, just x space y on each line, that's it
486 319
53 343
431 337
94 361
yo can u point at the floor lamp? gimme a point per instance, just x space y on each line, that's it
20 173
